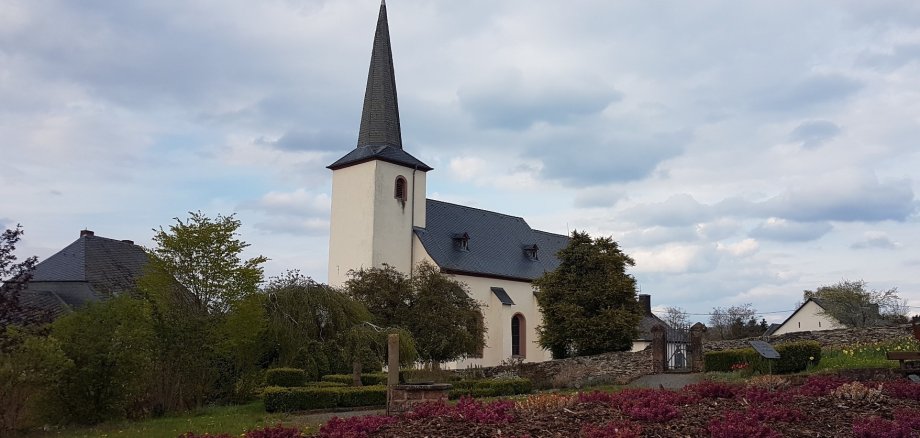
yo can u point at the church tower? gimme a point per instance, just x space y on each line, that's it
378 189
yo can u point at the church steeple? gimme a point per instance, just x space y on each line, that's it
380 137
380 118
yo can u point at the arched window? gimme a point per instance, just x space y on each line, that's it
518 336
399 191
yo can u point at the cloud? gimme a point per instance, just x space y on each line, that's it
743 248
597 198
657 236
810 91
319 140
894 58
294 225
676 259
677 210
875 240
814 133
297 203
508 101
783 230
844 197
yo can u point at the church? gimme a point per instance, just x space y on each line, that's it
381 215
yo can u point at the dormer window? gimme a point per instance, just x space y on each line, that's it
399 191
530 251
462 242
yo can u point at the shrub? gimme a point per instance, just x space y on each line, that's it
796 356
595 397
436 376
613 429
736 425
363 396
903 389
758 395
876 427
324 385
907 416
855 391
724 360
707 389
820 385
545 403
366 378
468 409
491 387
278 399
768 382
354 427
285 377
651 405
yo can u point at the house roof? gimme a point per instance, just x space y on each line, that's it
496 243
380 135
814 300
645 327
90 269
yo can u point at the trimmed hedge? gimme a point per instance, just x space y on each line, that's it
436 376
794 357
490 387
366 378
324 385
285 377
278 399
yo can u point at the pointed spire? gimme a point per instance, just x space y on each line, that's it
380 118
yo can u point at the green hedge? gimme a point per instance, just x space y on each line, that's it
278 399
366 378
324 385
436 376
490 387
285 377
794 357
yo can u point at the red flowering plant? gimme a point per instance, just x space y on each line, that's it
354 427
652 405
877 427
736 424
740 366
613 429
496 412
710 389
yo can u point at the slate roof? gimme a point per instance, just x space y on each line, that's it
645 327
386 153
496 242
380 136
90 269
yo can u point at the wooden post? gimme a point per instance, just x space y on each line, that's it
392 367
696 347
659 349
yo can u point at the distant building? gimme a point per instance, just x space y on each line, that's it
649 320
807 318
90 269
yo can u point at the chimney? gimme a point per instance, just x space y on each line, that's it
87 233
645 301
129 242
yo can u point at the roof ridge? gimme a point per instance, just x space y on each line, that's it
380 115
550 233
481 209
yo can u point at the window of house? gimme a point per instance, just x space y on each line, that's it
462 242
530 251
800 325
400 192
518 338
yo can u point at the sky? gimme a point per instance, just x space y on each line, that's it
740 152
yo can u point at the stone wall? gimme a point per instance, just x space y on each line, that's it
617 368
827 338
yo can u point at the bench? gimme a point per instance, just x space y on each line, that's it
902 356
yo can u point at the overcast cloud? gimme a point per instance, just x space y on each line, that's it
741 152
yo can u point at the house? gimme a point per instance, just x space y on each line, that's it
90 269
808 317
648 321
381 215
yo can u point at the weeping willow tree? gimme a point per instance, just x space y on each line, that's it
318 328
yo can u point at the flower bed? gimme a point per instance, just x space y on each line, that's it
816 407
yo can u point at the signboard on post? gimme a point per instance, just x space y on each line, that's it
764 349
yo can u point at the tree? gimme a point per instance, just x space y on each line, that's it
400 302
13 278
851 303
204 256
675 317
589 302
732 322
29 374
207 315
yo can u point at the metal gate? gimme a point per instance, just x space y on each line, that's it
679 359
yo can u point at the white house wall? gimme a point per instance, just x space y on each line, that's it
808 318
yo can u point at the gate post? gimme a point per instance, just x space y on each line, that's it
392 368
696 347
659 349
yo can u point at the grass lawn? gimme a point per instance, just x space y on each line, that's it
233 420
864 355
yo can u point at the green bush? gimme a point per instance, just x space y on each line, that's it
490 387
794 357
375 395
278 399
324 385
366 378
436 376
285 377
